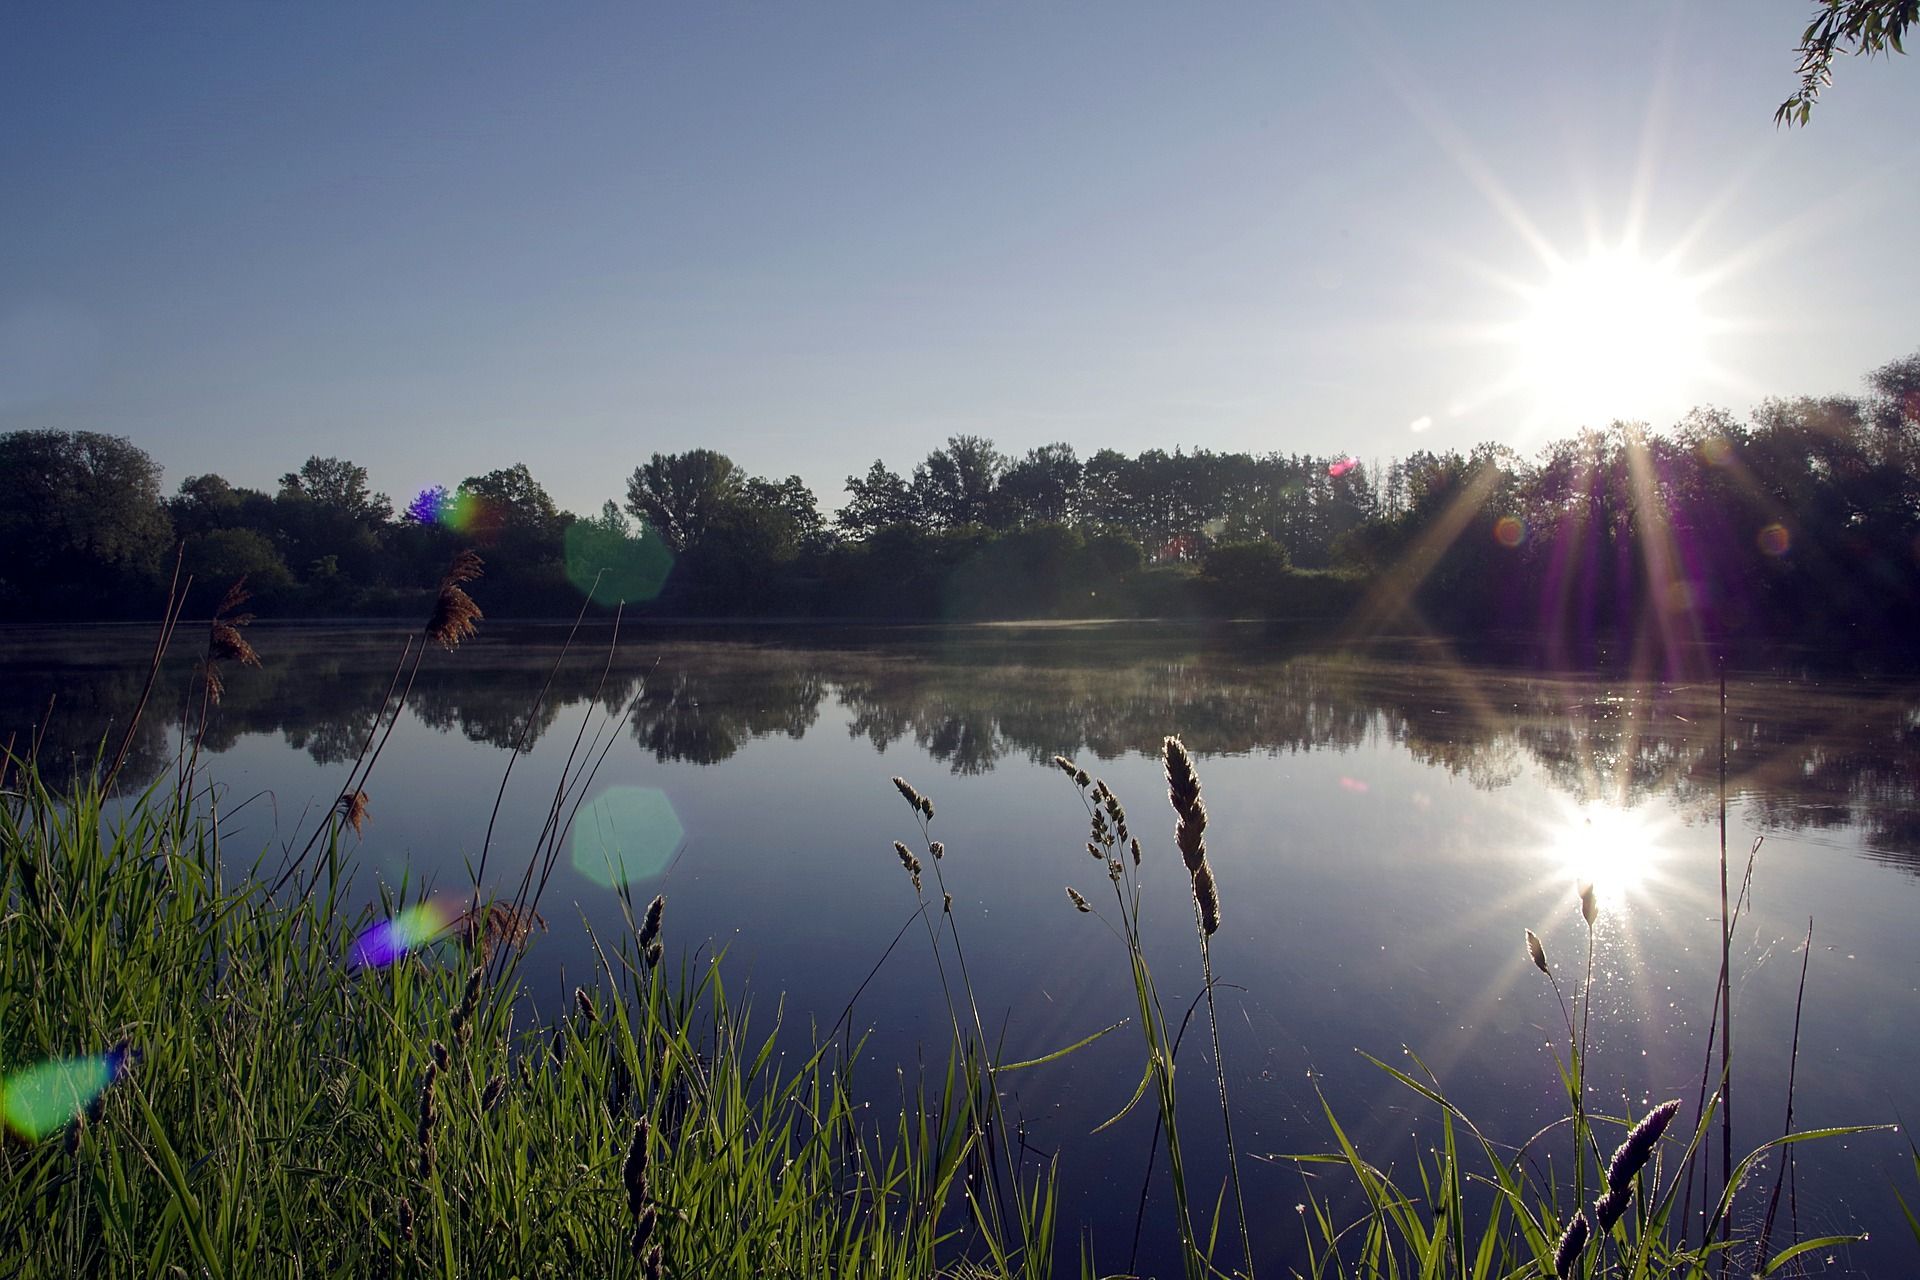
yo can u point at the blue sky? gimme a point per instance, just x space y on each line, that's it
439 239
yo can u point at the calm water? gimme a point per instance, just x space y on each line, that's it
1383 829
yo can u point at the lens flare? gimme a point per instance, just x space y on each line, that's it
1510 531
1715 451
387 940
47 1097
626 834
1774 540
616 566
1340 467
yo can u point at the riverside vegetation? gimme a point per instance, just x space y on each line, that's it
233 1068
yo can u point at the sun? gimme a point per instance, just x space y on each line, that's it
1612 335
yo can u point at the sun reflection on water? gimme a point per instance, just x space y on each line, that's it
1618 851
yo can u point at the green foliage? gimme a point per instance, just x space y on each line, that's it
1843 26
81 521
219 556
680 495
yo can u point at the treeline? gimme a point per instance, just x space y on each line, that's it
1802 522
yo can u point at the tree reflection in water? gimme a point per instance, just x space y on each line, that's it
1807 754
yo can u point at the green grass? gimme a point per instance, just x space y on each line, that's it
272 1124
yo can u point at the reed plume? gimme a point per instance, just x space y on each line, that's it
353 807
454 612
224 641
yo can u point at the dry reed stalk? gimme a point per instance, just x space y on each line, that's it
170 618
495 924
1189 835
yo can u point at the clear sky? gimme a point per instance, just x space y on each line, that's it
443 238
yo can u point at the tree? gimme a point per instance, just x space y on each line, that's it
80 519
955 485
879 500
792 513
1043 487
680 495
507 501
1843 26
339 486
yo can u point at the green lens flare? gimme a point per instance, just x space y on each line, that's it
627 834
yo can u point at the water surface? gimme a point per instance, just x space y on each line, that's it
1384 826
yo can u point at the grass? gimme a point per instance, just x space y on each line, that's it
274 1121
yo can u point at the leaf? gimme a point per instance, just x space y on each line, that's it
1132 1102
1061 1053
1788 1255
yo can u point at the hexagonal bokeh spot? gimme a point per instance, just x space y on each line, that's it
625 835
616 566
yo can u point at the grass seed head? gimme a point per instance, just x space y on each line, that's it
650 927
491 1095
906 790
1589 903
1206 896
1537 953
1632 1155
584 1003
1573 1243
633 1174
1080 904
